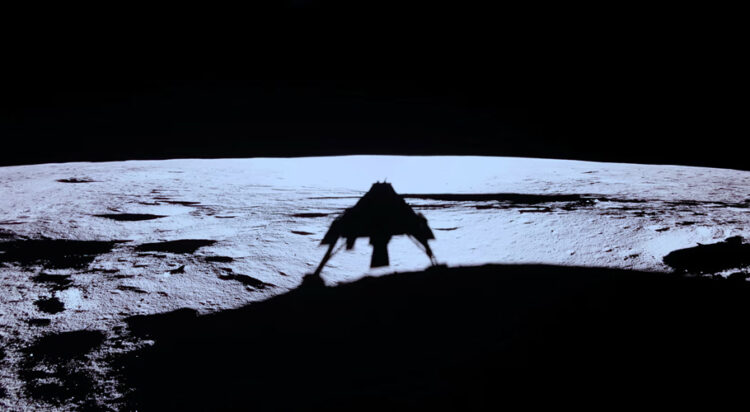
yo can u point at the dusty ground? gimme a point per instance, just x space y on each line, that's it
84 247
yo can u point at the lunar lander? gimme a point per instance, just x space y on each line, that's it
380 214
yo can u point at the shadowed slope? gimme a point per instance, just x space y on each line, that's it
457 337
712 258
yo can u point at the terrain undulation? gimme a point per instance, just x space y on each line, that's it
90 250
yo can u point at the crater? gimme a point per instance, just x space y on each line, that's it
301 232
50 305
129 217
175 246
310 215
76 180
181 202
536 210
221 259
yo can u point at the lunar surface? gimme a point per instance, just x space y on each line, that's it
84 246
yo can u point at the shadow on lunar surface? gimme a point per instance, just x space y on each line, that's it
220 259
730 254
39 322
76 180
244 279
7 234
466 337
178 270
54 253
182 203
310 215
53 282
50 305
130 217
134 289
52 371
175 246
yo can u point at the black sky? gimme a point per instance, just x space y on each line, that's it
332 78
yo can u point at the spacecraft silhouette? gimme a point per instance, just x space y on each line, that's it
380 214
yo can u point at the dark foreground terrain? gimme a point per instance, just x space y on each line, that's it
462 338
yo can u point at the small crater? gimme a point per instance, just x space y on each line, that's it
50 305
129 217
301 232
220 259
447 229
101 270
76 180
175 246
663 229
181 202
537 210
225 217
309 215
